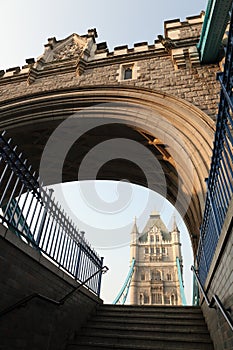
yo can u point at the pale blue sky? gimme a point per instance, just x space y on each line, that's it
26 24
24 28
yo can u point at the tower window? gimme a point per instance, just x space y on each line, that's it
157 238
142 277
163 250
152 250
146 250
156 298
156 275
128 73
169 277
152 238
157 250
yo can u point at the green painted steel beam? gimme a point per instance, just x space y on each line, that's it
121 297
214 26
182 293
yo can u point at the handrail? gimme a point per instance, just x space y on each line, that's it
214 300
32 212
25 300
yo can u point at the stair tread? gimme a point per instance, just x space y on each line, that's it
145 315
153 337
144 327
155 321
158 328
151 308
159 346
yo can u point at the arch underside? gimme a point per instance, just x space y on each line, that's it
113 133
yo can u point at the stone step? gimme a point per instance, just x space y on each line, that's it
158 346
152 308
132 327
145 326
137 342
149 316
145 334
198 323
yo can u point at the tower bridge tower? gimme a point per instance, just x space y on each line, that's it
155 279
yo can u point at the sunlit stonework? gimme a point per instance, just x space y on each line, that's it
156 250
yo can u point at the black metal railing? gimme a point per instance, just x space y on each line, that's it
214 300
220 180
30 210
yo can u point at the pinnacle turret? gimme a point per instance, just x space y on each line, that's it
135 228
174 225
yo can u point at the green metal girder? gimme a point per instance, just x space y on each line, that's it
214 26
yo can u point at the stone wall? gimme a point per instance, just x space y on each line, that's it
175 71
37 324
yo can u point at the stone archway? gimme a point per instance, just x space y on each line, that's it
177 134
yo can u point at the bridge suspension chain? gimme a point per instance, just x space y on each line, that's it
122 295
182 294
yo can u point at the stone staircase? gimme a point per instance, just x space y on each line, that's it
145 328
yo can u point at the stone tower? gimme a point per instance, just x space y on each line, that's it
155 279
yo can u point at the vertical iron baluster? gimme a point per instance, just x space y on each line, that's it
56 229
69 239
60 233
6 188
28 212
63 227
225 181
41 228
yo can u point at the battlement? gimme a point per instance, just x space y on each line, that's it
77 51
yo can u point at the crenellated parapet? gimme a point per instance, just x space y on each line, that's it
76 53
170 65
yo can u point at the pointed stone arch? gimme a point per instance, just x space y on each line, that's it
176 130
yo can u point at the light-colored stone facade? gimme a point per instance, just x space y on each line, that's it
155 280
78 61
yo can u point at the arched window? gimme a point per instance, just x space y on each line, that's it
156 298
173 299
128 73
156 275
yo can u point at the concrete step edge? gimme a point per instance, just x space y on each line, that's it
140 347
154 315
137 337
181 330
167 322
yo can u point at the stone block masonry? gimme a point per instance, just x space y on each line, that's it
78 61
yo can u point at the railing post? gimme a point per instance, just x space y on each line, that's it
100 278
